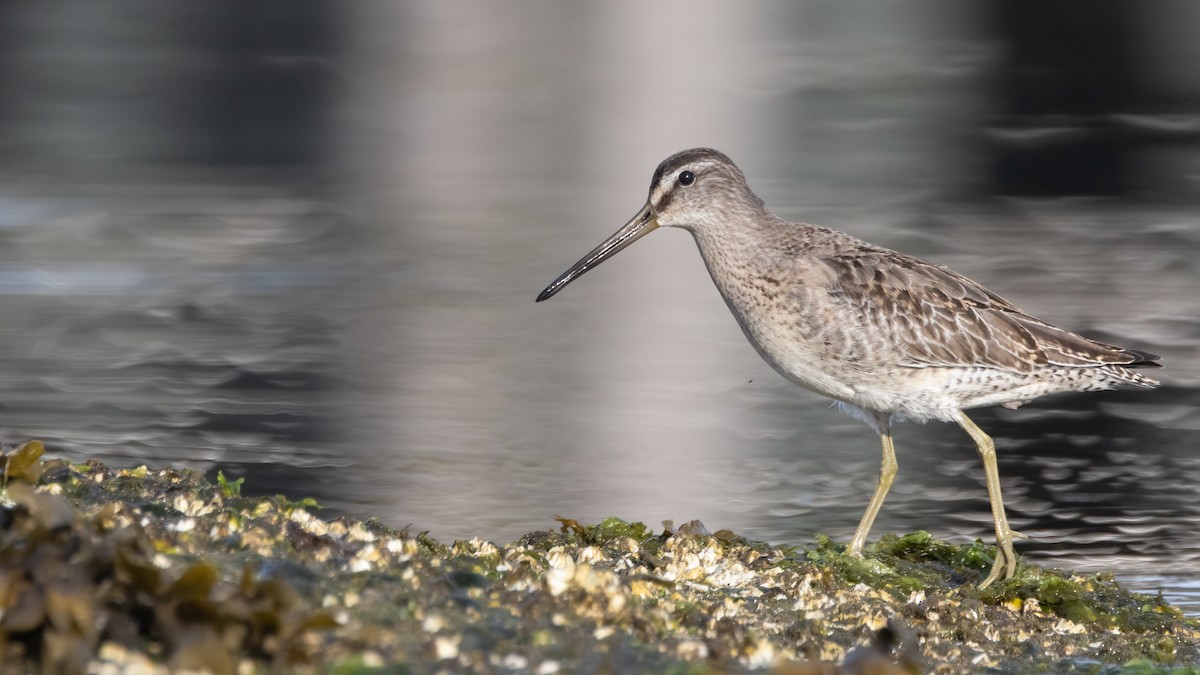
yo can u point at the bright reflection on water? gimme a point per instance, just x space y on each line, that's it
365 333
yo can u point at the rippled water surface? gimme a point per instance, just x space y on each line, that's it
367 335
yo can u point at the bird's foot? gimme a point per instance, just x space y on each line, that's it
1006 559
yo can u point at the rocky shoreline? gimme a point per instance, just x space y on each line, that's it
137 570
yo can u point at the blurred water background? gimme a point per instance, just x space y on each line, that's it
300 241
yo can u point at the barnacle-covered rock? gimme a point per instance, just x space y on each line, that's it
105 570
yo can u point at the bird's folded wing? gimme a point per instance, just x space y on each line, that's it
937 317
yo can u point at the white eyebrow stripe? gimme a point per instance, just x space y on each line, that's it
660 191
667 182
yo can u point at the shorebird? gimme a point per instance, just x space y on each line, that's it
887 336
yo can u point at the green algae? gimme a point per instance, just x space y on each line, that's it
611 528
22 463
900 566
230 488
1095 599
604 533
918 562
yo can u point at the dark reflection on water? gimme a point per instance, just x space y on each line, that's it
361 328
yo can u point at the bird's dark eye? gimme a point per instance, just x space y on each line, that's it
686 178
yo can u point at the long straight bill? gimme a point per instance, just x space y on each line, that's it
635 229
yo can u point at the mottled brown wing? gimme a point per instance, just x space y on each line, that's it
937 317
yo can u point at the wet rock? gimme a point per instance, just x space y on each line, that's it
103 569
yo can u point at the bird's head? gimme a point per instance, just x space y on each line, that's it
692 190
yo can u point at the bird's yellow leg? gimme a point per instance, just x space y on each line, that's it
1006 559
887 472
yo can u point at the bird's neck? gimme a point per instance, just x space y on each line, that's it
739 255
738 250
